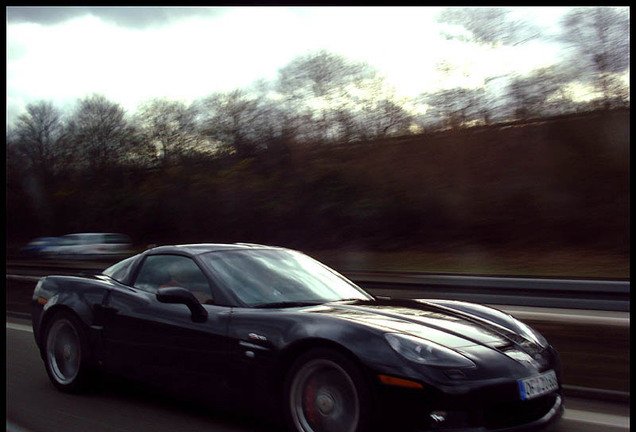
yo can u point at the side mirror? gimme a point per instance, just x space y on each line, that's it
183 296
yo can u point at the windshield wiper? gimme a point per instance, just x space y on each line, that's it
285 304
352 300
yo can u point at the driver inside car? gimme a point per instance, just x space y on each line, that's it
175 279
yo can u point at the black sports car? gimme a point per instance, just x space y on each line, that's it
282 334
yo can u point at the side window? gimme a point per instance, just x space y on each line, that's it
159 271
115 239
70 240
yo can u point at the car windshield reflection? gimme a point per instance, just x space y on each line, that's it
280 278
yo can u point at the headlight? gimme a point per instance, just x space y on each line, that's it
425 352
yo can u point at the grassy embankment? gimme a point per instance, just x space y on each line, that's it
571 263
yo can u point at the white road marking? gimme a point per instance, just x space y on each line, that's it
20 327
13 428
596 418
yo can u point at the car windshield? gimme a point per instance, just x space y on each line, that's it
277 277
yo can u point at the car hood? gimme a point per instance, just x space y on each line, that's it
443 325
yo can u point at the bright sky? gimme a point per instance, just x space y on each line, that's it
131 55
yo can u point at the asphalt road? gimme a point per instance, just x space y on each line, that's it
33 404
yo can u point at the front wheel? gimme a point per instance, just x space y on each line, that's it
326 392
66 353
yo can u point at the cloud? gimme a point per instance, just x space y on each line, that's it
129 17
133 54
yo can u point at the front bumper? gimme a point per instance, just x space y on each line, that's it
422 410
553 415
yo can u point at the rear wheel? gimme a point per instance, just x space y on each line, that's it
326 392
66 353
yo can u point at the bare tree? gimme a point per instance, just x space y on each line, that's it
542 92
489 26
339 100
168 130
230 119
317 87
322 75
33 156
455 107
599 38
385 118
99 133
37 135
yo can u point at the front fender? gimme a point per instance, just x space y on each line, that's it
365 343
81 296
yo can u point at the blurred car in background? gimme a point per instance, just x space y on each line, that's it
80 244
39 246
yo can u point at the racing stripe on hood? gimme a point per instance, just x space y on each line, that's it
439 324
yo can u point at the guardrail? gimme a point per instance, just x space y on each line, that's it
606 295
515 291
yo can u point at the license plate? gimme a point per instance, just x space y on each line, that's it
538 385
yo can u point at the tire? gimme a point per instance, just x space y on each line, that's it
325 391
66 353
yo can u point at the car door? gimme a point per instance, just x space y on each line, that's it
159 342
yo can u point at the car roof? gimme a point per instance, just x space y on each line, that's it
200 248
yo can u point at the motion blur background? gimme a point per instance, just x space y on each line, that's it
479 140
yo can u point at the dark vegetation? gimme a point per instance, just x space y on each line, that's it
556 182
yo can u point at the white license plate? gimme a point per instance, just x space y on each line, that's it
538 385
